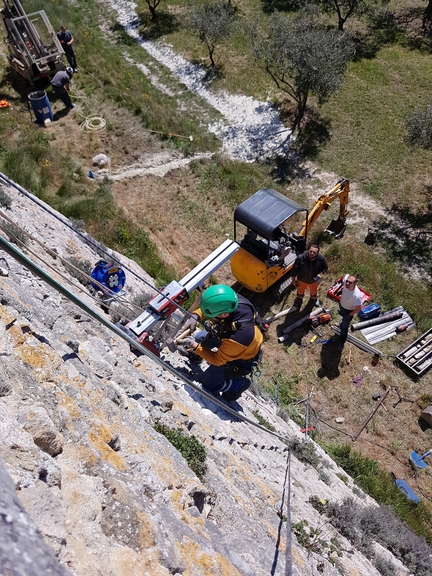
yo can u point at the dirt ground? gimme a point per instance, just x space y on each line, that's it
163 203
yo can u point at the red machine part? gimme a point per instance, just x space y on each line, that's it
167 302
320 319
143 340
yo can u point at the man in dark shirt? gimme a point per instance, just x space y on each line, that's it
66 40
60 84
308 269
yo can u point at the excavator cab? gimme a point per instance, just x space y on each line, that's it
269 247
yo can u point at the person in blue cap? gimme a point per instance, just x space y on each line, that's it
60 84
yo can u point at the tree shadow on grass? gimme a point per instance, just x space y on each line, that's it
286 168
383 28
416 28
314 133
122 37
407 26
407 234
165 23
305 145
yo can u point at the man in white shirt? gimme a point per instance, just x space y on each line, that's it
349 305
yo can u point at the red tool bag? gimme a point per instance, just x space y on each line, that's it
335 291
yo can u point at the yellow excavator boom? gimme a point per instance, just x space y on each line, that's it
341 191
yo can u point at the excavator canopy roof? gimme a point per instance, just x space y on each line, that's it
265 211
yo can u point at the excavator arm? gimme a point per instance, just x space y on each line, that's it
337 226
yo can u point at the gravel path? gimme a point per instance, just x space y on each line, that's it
250 129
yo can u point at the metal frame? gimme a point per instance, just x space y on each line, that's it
417 357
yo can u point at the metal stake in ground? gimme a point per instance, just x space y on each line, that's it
366 422
401 399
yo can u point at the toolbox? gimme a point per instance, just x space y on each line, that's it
335 291
369 311
417 357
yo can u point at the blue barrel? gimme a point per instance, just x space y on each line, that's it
41 106
109 275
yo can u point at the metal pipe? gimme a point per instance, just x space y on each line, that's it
362 345
380 329
365 423
388 332
380 320
291 327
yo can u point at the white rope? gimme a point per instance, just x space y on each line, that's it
93 123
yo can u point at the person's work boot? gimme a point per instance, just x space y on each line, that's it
297 304
315 301
235 395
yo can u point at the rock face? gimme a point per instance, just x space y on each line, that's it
88 486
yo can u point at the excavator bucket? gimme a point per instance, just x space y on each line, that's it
336 228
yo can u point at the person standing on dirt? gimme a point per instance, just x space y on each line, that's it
60 84
307 271
350 304
231 343
66 40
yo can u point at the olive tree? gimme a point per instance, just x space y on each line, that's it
427 15
152 5
344 9
302 57
212 22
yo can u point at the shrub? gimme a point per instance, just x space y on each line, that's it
306 453
262 421
360 524
5 200
79 269
16 235
189 447
319 504
379 484
418 127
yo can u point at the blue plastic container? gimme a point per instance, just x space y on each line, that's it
41 106
110 276
370 311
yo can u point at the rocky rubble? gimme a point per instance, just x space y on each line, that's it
90 488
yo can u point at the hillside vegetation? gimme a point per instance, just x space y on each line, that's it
169 224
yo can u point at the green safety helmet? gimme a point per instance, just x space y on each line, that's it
218 299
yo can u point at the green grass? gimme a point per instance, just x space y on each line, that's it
364 121
109 225
24 161
104 71
263 421
367 121
229 181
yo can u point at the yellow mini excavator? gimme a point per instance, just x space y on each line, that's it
268 249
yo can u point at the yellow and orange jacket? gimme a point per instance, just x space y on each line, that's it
240 337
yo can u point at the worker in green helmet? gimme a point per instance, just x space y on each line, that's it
231 343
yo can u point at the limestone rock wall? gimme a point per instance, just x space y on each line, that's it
83 468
